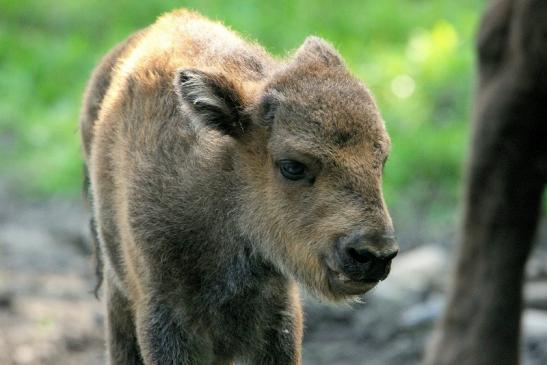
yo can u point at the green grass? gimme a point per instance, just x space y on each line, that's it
416 56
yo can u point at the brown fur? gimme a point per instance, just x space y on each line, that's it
184 128
506 176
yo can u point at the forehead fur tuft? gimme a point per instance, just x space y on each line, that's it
317 50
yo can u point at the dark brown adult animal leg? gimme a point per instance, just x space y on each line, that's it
506 174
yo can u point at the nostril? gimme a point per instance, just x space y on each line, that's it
363 257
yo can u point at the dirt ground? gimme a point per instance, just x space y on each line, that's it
48 314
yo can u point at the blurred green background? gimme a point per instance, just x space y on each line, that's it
416 56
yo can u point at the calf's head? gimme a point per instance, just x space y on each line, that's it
309 147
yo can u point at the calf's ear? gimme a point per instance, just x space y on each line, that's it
213 99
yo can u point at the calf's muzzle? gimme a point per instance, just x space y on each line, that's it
365 256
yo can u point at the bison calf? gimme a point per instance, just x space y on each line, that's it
219 176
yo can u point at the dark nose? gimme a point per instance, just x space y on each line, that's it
367 257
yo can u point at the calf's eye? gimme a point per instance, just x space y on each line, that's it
292 170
